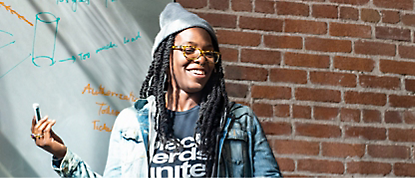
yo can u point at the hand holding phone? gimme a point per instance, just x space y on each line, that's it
49 141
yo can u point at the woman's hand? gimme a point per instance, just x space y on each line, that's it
46 139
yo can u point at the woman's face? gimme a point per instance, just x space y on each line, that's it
191 76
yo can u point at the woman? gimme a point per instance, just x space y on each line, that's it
186 127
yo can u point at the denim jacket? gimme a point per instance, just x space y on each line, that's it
243 147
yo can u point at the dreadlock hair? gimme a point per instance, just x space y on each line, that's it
214 103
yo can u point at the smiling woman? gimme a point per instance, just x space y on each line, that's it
185 125
190 76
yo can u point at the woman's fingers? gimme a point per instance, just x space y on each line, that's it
45 140
33 124
41 126
41 132
38 127
48 127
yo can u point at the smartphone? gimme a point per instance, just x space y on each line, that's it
36 108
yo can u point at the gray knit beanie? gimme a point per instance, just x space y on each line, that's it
175 18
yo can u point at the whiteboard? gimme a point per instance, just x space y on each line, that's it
83 61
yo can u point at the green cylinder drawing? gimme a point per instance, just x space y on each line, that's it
44 41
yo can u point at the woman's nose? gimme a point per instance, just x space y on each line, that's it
202 60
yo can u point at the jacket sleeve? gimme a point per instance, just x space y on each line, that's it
264 163
72 166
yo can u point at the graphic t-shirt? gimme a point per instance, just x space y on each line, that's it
188 162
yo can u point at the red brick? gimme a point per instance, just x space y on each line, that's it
324 11
238 38
306 60
395 4
394 117
409 117
368 167
262 110
193 4
349 13
322 95
246 73
353 2
397 67
372 116
333 78
286 164
368 81
391 17
236 90
349 115
296 147
219 20
370 15
292 8
324 113
320 166
276 128
288 75
404 169
366 98
388 151
305 26
264 6
352 63
328 45
402 135
403 101
343 150
374 48
294 42
266 24
369 133
270 92
317 130
229 54
288 174
303 112
219 4
410 85
242 5
407 51
282 110
393 34
408 19
261 56
350 30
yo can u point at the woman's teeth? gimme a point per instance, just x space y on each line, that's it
197 72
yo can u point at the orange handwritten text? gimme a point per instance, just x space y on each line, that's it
101 91
105 109
101 127
9 8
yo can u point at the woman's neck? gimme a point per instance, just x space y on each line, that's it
179 100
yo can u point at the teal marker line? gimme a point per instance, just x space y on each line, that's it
7 44
15 66
6 32
10 42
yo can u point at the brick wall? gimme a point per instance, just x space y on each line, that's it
332 81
